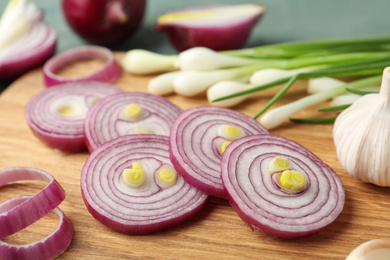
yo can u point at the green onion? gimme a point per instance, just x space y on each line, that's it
327 120
275 117
334 108
361 92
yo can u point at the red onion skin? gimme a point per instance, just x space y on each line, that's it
47 248
255 223
13 68
42 203
183 37
95 20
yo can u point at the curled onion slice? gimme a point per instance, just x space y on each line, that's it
47 248
128 113
108 73
148 208
31 50
56 115
196 141
34 208
261 202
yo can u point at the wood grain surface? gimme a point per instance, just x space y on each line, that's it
217 232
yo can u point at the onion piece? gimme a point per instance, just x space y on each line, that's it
196 142
31 50
56 115
108 73
218 27
108 120
150 207
262 203
376 249
31 210
47 248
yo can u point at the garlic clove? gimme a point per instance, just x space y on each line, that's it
377 249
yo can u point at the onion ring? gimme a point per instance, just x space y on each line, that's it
47 248
56 115
34 208
261 203
148 113
194 143
147 209
110 71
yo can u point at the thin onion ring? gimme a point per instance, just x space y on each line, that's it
41 204
47 248
108 73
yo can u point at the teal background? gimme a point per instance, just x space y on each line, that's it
284 20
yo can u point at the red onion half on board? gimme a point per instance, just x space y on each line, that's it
198 138
20 212
128 113
130 185
56 115
280 187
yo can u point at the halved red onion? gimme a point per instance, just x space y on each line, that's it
108 73
31 50
255 192
20 212
128 113
47 248
196 140
148 208
56 115
218 27
31 210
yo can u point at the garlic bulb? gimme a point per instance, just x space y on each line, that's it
362 136
377 249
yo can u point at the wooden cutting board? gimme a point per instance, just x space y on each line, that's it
218 232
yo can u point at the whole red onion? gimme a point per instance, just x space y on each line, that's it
104 22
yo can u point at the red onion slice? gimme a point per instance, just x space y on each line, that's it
108 73
262 203
194 142
107 120
34 208
46 113
32 50
47 248
144 210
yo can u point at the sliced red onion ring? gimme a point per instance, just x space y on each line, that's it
56 115
108 73
32 50
148 208
128 113
260 200
34 208
195 141
47 248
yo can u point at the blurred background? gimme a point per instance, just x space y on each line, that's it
284 20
